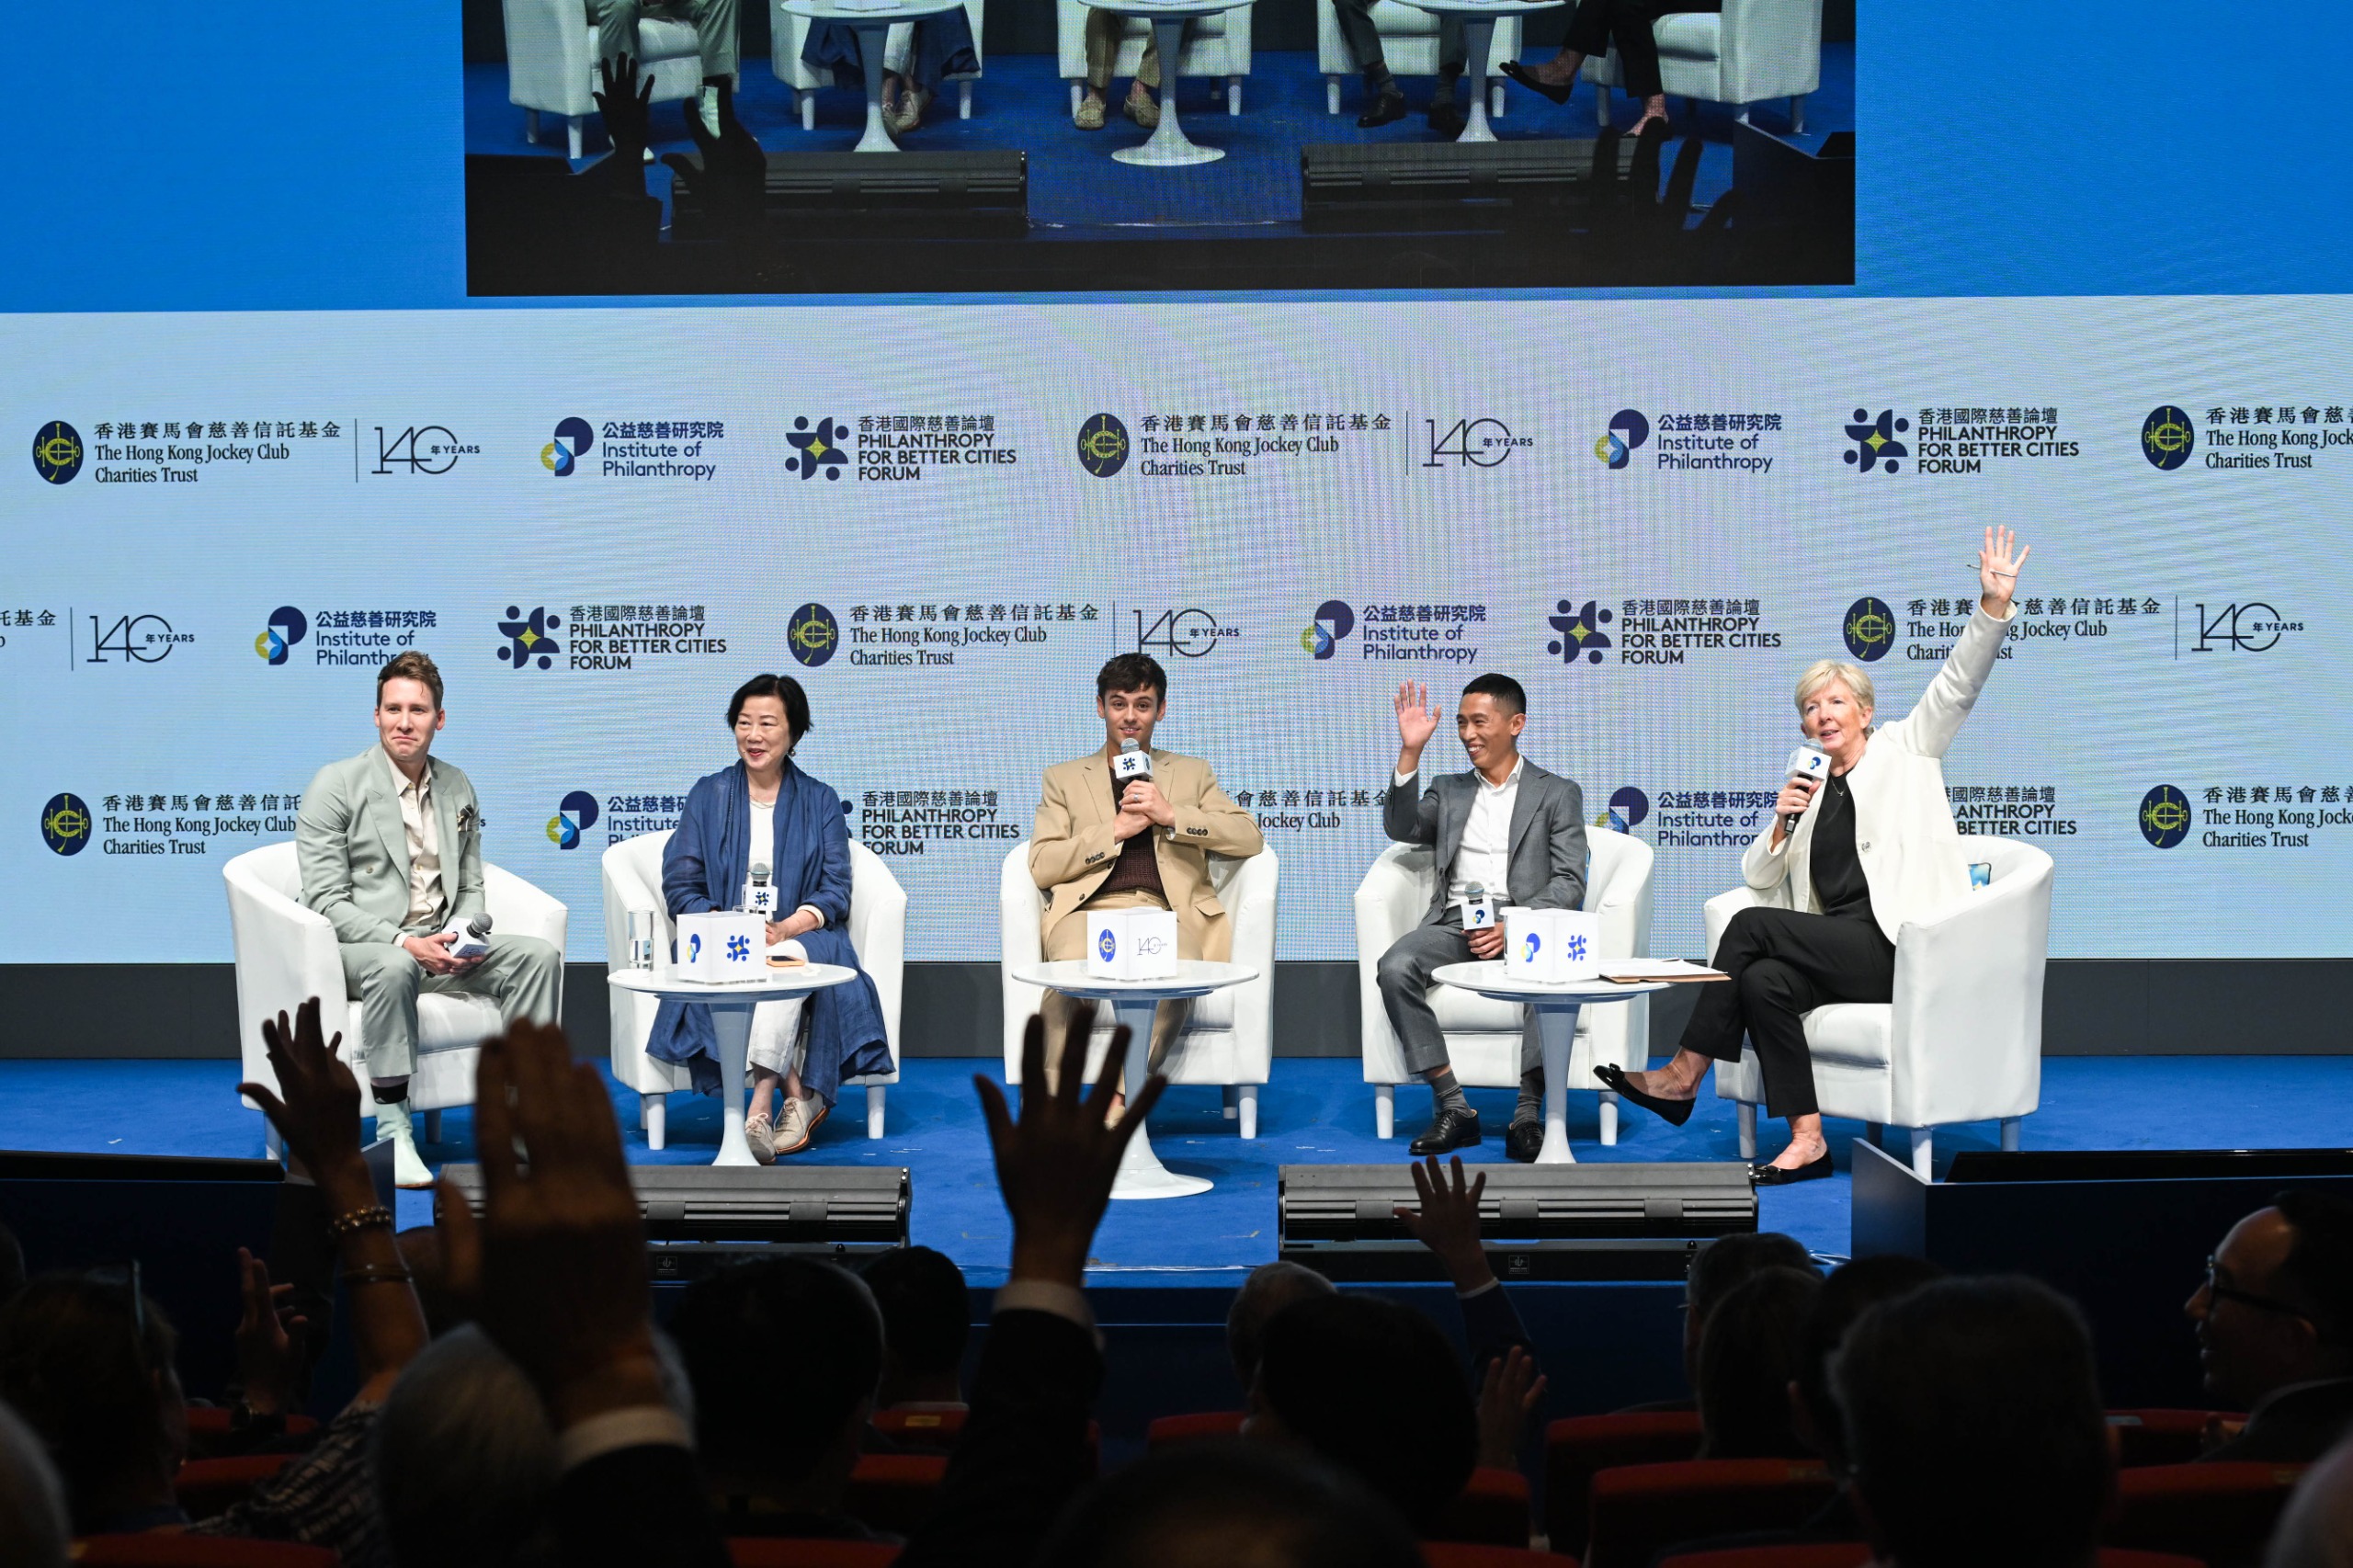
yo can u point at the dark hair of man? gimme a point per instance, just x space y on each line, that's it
1508 693
1748 1357
411 665
927 1308
1270 1287
2318 1270
1852 1289
785 689
1975 1430
747 1316
1131 672
83 1366
1219 1502
1379 1391
1726 1261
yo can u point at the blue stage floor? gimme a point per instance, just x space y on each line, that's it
1075 187
1316 1111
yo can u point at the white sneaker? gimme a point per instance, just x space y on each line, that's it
707 106
393 1121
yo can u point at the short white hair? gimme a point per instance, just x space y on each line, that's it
1822 672
465 1458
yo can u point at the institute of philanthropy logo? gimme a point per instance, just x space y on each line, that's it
1628 430
1580 630
65 823
287 627
57 452
1875 444
822 445
2164 816
1628 807
1334 619
528 639
575 816
2168 438
813 635
572 438
1870 628
1103 445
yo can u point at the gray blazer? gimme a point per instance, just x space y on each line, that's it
1547 867
353 850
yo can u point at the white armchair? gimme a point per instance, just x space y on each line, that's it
551 63
1409 44
1751 50
788 32
1482 1036
1214 46
1228 1038
632 877
1962 1040
287 951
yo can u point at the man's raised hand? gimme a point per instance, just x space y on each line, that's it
1416 720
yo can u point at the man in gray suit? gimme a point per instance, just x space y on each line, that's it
1507 826
390 843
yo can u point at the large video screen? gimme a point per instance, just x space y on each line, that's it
597 534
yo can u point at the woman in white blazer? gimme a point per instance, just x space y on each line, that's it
1846 861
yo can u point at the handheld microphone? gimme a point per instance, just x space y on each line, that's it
1132 764
759 892
1805 761
1478 910
473 938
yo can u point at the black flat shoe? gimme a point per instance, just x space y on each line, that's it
1781 1176
1523 1141
1388 107
1558 92
1674 1113
1448 1130
1446 118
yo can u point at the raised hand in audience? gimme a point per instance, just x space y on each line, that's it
559 1251
1448 1221
1054 1164
731 179
1510 1396
270 1354
626 105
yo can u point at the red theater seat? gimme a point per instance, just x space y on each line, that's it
894 1492
1637 1510
2221 1513
760 1551
212 1421
1578 1449
1853 1554
167 1551
1183 1428
925 1429
1491 1511
2161 1437
205 1487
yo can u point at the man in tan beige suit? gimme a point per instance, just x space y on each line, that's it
1141 843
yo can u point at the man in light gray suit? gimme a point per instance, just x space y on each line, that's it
1507 826
390 843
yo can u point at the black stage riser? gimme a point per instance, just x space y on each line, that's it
824 1208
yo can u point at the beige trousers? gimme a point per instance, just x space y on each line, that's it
1103 31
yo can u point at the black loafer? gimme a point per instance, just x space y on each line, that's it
1558 92
1388 106
1446 118
1448 1130
1780 1176
1523 1141
1674 1113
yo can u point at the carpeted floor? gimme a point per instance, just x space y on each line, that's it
1075 187
1315 1111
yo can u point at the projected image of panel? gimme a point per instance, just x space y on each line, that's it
1082 145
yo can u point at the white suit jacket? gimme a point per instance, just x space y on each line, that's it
1912 854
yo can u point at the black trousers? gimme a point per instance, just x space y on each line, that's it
1355 18
1597 24
1784 964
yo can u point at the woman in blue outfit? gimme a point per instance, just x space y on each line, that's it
764 809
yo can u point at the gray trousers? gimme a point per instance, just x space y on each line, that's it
520 974
1355 18
714 23
1403 976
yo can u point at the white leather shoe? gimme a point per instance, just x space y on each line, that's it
799 1123
393 1121
761 1136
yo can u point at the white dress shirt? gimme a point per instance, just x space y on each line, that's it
1485 856
428 900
